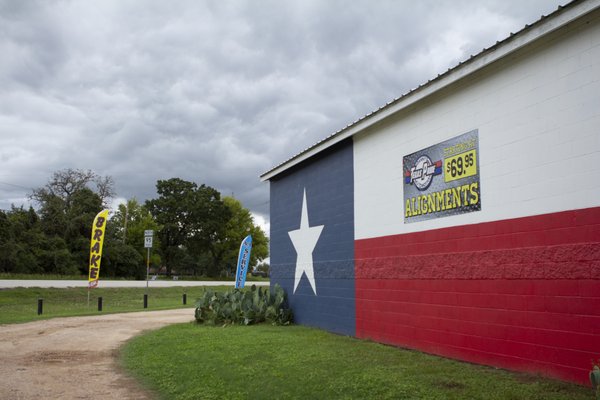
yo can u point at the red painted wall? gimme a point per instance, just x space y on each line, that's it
521 294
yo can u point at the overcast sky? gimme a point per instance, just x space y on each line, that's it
214 92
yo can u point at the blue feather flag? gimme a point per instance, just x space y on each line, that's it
243 261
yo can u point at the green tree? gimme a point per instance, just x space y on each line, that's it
24 248
58 239
225 252
119 259
23 243
190 216
131 220
126 229
85 204
68 204
6 243
65 183
54 256
5 228
53 215
9 248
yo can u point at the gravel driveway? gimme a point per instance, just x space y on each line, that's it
75 357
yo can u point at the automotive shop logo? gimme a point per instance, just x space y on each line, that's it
421 174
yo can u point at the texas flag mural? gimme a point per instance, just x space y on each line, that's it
362 251
463 218
312 241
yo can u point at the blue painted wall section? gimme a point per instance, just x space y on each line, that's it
329 183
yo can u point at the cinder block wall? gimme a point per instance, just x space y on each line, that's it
329 185
522 294
517 284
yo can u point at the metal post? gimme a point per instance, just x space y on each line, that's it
99 303
145 300
147 268
184 299
148 234
40 306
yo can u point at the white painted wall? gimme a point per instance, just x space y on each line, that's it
538 116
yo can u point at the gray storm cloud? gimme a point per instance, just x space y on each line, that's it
214 92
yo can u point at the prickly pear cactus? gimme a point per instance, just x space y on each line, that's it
244 307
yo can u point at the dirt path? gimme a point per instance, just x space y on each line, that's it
74 358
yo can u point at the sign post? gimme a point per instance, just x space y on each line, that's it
148 234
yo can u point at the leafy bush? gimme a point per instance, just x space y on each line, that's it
244 307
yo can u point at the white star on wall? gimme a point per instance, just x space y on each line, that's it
304 240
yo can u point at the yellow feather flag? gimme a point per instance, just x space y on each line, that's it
98 229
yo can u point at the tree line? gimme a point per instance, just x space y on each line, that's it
197 231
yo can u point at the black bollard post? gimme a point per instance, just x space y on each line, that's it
99 303
40 306
145 301
184 299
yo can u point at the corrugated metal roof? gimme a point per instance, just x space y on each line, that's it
585 7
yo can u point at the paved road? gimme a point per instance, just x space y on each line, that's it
13 283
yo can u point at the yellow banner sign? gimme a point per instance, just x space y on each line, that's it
98 228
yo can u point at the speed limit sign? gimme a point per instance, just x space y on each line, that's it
148 234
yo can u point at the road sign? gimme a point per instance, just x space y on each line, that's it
148 242
149 232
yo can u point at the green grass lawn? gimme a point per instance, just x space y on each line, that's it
189 361
20 304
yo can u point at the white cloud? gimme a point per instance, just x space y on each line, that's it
262 222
